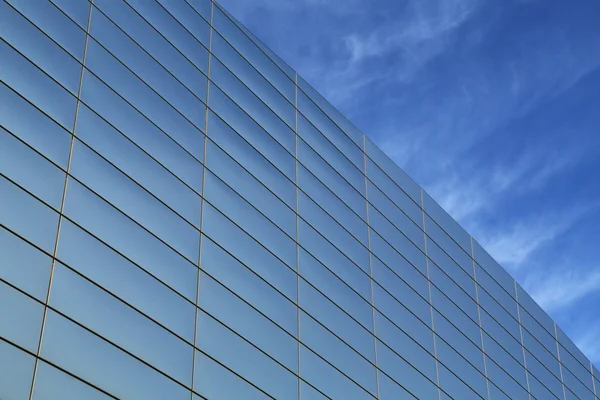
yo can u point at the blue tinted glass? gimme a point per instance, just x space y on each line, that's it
24 266
16 372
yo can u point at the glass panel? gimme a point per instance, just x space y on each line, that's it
403 318
307 392
454 338
118 231
27 216
454 386
395 215
494 269
33 127
36 46
496 291
141 131
539 368
173 31
250 188
536 316
252 105
249 251
229 349
150 71
77 10
333 259
390 390
337 353
334 319
353 174
332 179
249 286
133 200
453 292
393 171
24 266
141 167
498 332
503 386
251 131
253 79
249 219
247 322
92 307
335 207
185 14
203 7
53 384
459 319
397 239
144 99
442 239
437 213
394 193
54 23
248 157
249 50
401 291
25 167
327 379
155 44
26 79
21 318
100 363
330 130
284 67
340 293
218 383
451 269
333 232
116 274
16 372
405 347
405 374
406 271
332 112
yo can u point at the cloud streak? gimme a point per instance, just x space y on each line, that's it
562 288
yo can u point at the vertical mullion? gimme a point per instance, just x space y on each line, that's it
437 372
437 367
297 236
370 267
487 380
522 341
202 200
560 366
62 205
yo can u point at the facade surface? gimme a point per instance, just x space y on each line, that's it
154 247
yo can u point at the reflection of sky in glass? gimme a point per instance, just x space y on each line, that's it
152 247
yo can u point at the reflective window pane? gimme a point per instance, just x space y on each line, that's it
53 384
229 349
96 361
16 372
98 262
27 216
24 266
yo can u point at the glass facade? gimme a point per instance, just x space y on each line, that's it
183 217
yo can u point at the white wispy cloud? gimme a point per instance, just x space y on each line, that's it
557 288
513 245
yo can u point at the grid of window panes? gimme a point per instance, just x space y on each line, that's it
154 247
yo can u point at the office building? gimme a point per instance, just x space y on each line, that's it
183 217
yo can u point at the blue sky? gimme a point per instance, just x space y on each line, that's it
492 106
